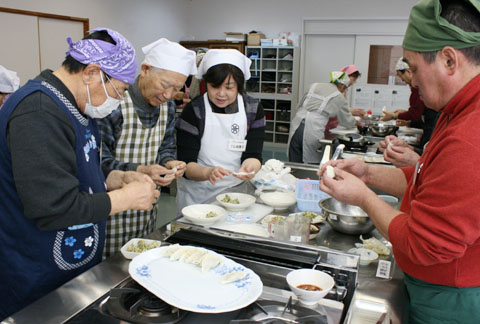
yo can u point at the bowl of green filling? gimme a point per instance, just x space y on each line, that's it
138 245
235 201
203 214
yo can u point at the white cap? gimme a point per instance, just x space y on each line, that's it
401 65
9 81
224 56
167 55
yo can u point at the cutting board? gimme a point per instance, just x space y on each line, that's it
252 214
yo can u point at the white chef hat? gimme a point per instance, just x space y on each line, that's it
9 80
401 65
167 55
224 56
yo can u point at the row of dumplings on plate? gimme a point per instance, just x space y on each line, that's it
202 258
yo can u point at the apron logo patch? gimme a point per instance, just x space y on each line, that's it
235 128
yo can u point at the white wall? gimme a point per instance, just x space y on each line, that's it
143 21
208 19
140 21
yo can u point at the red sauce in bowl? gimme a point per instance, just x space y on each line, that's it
309 287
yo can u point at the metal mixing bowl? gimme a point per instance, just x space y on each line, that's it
380 129
345 218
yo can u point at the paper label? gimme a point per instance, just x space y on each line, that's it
383 269
333 217
237 145
295 238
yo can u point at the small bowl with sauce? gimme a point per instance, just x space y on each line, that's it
309 285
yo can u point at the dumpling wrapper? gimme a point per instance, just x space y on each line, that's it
233 276
178 253
196 257
330 171
210 261
188 251
170 250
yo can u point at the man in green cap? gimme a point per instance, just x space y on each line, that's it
436 233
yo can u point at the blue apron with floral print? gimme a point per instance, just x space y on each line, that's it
35 262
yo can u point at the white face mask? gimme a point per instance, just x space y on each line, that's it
104 109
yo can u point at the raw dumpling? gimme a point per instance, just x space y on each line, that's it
233 276
188 251
330 171
210 261
178 253
196 257
170 250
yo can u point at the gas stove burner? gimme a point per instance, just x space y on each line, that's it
152 306
354 149
135 304
269 311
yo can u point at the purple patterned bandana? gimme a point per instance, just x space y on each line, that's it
118 61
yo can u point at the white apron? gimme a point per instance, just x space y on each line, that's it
315 122
214 151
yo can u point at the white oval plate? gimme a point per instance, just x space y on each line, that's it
183 285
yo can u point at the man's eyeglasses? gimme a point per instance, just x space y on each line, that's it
111 83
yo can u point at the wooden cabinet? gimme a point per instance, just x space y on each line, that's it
240 46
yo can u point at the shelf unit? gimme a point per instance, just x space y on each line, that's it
214 43
274 81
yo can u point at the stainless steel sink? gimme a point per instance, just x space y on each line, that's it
366 311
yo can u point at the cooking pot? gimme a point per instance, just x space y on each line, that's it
383 129
345 218
352 140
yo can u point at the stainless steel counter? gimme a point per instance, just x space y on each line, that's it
64 303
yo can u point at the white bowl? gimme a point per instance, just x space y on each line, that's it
197 214
244 199
366 255
130 255
309 277
269 218
278 200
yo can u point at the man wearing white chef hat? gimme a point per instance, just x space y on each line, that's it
140 134
9 83
220 134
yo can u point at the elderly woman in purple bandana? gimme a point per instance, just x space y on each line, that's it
55 197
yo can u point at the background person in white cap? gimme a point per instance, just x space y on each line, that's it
9 83
321 102
140 134
400 153
221 132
